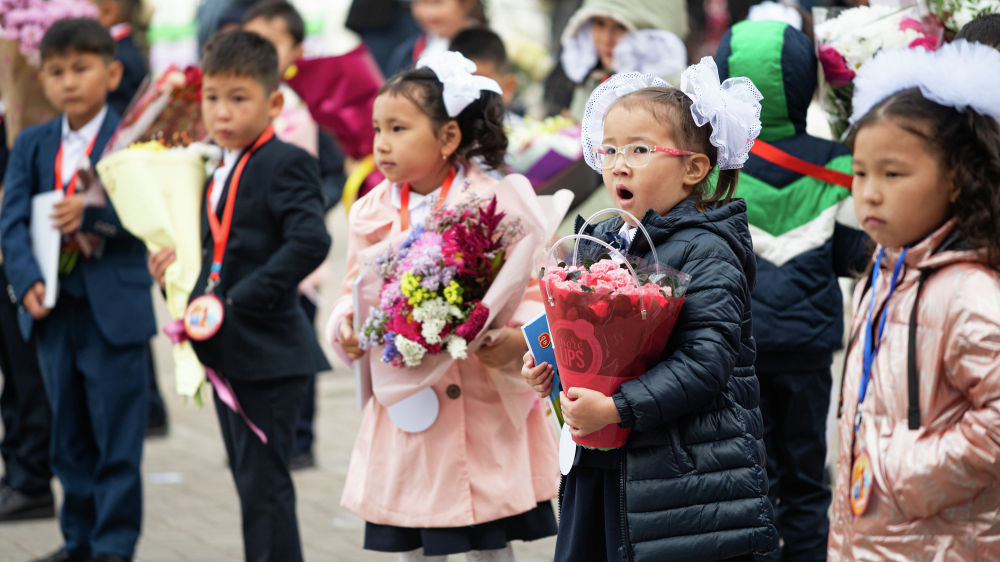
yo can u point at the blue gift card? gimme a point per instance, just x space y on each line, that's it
536 333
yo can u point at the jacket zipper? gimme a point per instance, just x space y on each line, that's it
626 549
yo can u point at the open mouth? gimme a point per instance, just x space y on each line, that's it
624 194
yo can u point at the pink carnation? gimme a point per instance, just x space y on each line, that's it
603 267
471 327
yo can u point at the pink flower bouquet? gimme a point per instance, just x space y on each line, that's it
609 323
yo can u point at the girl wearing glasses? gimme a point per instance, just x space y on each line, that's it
690 482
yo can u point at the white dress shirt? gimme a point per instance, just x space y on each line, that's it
75 143
421 205
229 158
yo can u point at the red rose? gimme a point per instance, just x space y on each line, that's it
834 66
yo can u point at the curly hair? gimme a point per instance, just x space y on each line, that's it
481 123
968 145
672 107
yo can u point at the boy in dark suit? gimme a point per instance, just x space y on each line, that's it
92 345
264 346
117 16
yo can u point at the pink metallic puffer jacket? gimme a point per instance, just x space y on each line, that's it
936 492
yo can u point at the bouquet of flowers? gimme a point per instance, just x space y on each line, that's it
610 320
433 286
154 175
954 14
846 39
541 150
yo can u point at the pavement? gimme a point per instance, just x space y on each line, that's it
191 510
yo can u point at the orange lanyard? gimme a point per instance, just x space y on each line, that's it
404 200
220 232
71 188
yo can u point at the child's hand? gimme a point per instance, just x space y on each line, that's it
158 264
587 411
67 214
349 340
33 301
539 377
503 350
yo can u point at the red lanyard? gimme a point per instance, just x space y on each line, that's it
71 188
121 31
404 200
220 232
781 158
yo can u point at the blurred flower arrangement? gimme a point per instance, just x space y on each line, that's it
433 285
846 39
25 21
954 14
540 150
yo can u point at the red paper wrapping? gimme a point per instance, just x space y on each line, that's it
602 341
340 92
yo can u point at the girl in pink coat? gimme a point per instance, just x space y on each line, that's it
918 471
483 471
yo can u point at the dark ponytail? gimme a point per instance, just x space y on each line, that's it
481 122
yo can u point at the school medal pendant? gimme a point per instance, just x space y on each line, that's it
861 483
203 317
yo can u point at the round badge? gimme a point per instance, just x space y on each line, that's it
203 317
861 483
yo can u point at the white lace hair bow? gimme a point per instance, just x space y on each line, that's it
460 86
619 85
959 75
732 108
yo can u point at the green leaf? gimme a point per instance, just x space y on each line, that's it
587 263
587 289
657 277
574 275
604 256
561 264
541 273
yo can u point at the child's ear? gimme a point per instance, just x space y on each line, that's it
450 136
115 70
274 104
697 169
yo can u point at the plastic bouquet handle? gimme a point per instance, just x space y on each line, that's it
638 224
578 237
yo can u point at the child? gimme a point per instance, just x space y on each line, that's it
117 16
805 235
917 476
689 484
485 48
265 345
93 346
439 21
985 29
281 24
473 481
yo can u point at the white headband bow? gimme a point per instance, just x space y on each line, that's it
732 107
460 86
959 74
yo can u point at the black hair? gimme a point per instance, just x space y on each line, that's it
129 9
242 53
968 145
984 29
271 9
671 106
482 44
77 35
481 123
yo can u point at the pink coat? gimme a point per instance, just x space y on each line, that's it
473 465
936 493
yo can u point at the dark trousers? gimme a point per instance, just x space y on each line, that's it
590 526
304 433
263 480
99 408
23 407
157 410
794 406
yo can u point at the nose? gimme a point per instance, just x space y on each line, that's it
619 165
382 144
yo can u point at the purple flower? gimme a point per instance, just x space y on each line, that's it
390 352
437 278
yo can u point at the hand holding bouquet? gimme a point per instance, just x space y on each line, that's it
610 320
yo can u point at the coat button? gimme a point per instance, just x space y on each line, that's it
453 391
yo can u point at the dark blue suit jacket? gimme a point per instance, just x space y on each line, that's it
133 73
118 283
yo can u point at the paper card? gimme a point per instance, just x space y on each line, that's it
536 333
46 242
362 369
415 413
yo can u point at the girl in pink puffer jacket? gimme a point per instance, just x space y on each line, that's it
918 471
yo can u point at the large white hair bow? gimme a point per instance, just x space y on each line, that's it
959 74
732 108
460 86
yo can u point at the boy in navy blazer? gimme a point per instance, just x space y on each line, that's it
117 16
92 345
265 346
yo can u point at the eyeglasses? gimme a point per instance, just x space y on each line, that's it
636 154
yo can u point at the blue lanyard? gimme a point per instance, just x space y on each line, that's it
872 346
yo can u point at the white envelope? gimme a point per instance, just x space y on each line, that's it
46 242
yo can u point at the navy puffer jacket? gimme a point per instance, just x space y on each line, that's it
694 485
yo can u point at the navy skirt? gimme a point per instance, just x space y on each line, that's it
538 523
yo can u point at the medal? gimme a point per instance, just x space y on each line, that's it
203 317
861 483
